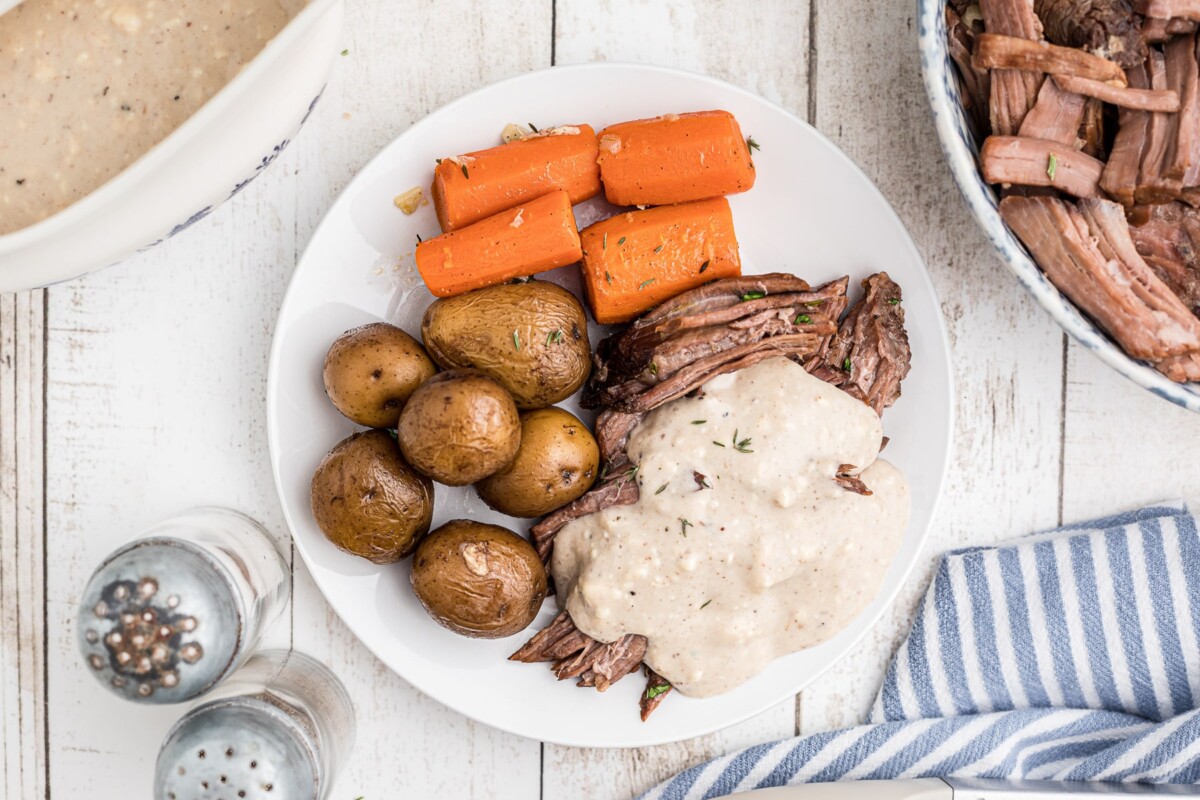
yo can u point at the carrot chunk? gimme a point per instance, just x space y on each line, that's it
533 237
674 159
470 187
638 259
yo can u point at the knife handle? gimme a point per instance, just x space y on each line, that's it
919 789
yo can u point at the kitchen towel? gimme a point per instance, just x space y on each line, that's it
1067 655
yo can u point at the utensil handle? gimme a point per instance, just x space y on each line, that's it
920 789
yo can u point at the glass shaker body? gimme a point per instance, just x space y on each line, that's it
282 726
167 617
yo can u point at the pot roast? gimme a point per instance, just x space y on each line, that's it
674 350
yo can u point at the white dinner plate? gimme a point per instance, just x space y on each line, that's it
811 212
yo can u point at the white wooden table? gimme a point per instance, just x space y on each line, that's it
140 391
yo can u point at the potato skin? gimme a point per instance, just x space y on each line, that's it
459 427
556 463
371 371
547 362
368 502
479 580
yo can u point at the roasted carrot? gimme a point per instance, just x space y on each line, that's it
532 237
674 159
638 259
469 187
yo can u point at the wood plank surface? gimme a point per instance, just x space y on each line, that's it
406 741
157 382
22 554
712 38
1007 354
1124 446
140 390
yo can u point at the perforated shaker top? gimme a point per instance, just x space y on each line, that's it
238 748
160 621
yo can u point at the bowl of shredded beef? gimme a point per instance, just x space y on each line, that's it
1072 128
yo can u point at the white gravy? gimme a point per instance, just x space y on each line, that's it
88 86
773 558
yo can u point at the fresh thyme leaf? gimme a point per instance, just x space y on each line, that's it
345 52
653 368
645 283
533 128
718 444
741 445
1052 167
753 145
683 526
554 337
705 603
803 318
654 691
704 267
607 276
846 365
662 488
893 301
629 475
517 340
621 241
699 421
658 249
753 296
814 303
465 173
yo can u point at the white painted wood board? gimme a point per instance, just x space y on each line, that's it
140 390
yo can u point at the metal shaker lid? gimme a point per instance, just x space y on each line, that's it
160 621
238 747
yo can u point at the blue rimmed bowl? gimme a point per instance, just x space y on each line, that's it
950 120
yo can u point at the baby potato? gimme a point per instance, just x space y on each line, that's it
479 580
368 502
459 427
371 371
531 337
556 463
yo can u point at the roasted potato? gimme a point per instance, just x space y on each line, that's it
531 337
479 580
368 501
371 371
556 463
459 427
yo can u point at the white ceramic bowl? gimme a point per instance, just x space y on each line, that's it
207 160
961 153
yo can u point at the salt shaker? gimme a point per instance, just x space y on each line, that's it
166 618
281 727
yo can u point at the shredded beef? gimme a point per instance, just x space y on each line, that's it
1107 28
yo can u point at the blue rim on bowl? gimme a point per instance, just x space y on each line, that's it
949 118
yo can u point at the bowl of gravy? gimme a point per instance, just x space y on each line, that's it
128 121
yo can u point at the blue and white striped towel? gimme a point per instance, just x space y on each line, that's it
1068 655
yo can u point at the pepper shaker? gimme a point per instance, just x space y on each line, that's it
166 618
280 728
